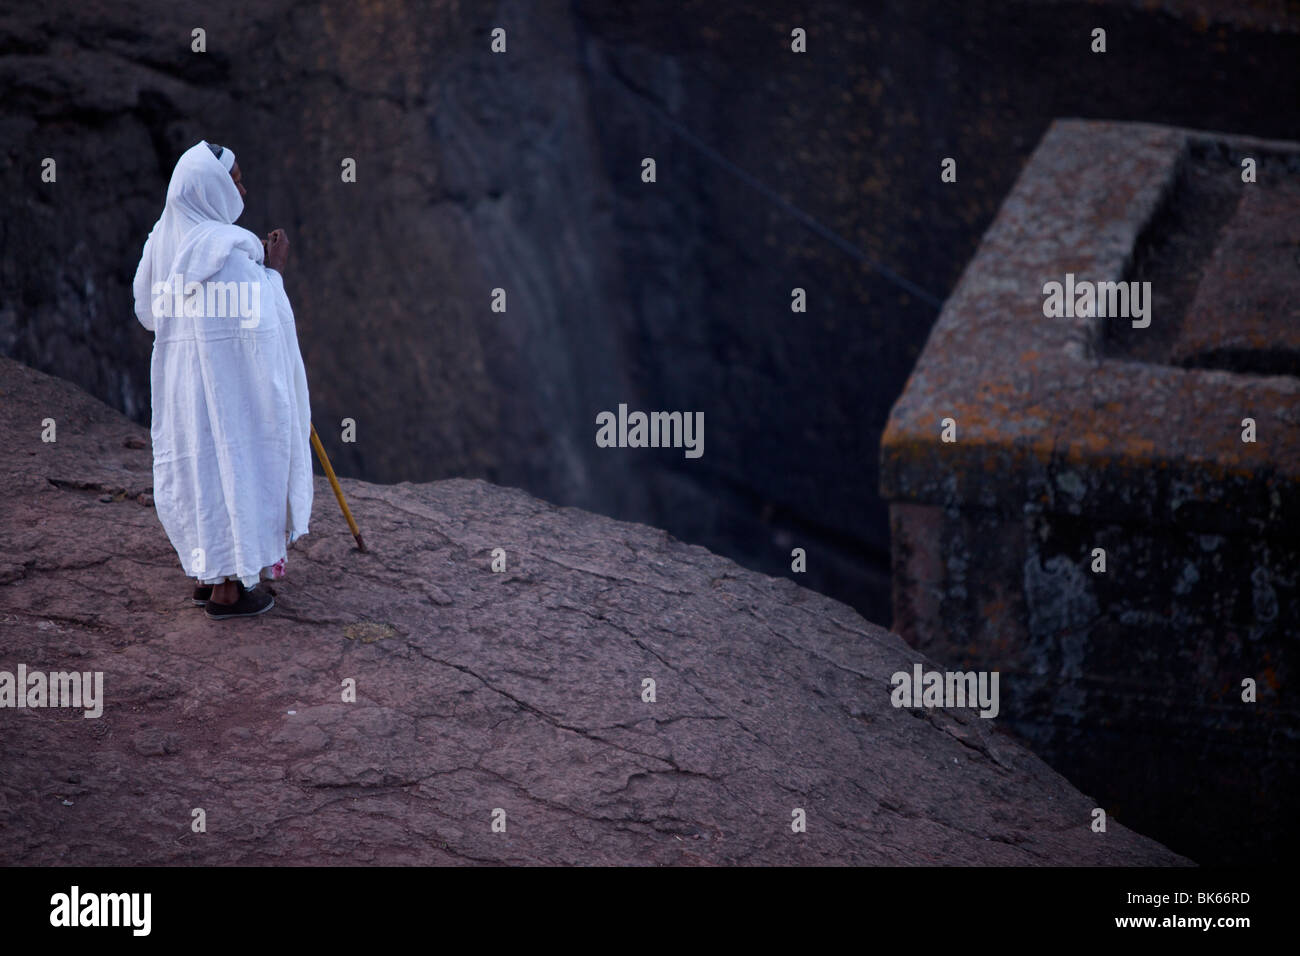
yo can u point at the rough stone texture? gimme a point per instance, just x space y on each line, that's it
475 690
1128 682
522 172
1246 314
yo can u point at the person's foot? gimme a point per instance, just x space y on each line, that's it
227 592
248 604
202 593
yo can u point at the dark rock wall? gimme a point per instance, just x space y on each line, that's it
1128 682
1126 674
473 173
522 172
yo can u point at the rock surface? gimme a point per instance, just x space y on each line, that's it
1245 317
1099 532
475 691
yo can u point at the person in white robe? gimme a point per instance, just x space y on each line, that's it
231 418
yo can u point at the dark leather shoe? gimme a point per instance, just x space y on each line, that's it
201 594
248 604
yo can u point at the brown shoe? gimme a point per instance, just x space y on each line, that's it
248 604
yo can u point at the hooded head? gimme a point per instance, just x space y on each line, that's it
227 156
195 234
201 187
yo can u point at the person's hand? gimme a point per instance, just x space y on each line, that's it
277 250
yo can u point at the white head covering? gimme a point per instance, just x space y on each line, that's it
227 158
195 233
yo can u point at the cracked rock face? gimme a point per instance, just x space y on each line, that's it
476 691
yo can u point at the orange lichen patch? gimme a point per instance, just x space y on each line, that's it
997 388
1090 451
898 439
986 443
1139 449
1040 449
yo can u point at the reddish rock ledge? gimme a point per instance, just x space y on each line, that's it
475 691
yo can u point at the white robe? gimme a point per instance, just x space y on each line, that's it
231 417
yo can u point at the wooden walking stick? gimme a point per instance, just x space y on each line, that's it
334 483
